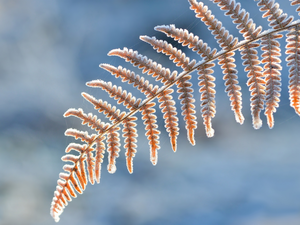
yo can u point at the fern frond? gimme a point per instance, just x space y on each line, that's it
83 161
81 170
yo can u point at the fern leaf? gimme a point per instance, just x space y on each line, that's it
79 171
167 106
89 119
127 76
177 56
116 92
130 134
271 55
255 82
231 82
100 148
152 133
208 107
113 144
149 66
82 135
186 38
83 161
293 61
112 113
187 102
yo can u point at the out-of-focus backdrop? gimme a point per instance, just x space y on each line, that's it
50 49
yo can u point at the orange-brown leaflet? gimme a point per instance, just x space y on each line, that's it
149 66
208 108
117 93
152 133
255 82
128 76
113 144
89 119
187 39
178 57
170 118
112 113
231 83
187 102
271 62
130 134
293 51
100 148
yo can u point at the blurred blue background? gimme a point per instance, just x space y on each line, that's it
50 49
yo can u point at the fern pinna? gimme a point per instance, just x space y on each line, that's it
264 85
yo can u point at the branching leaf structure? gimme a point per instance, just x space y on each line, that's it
264 81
